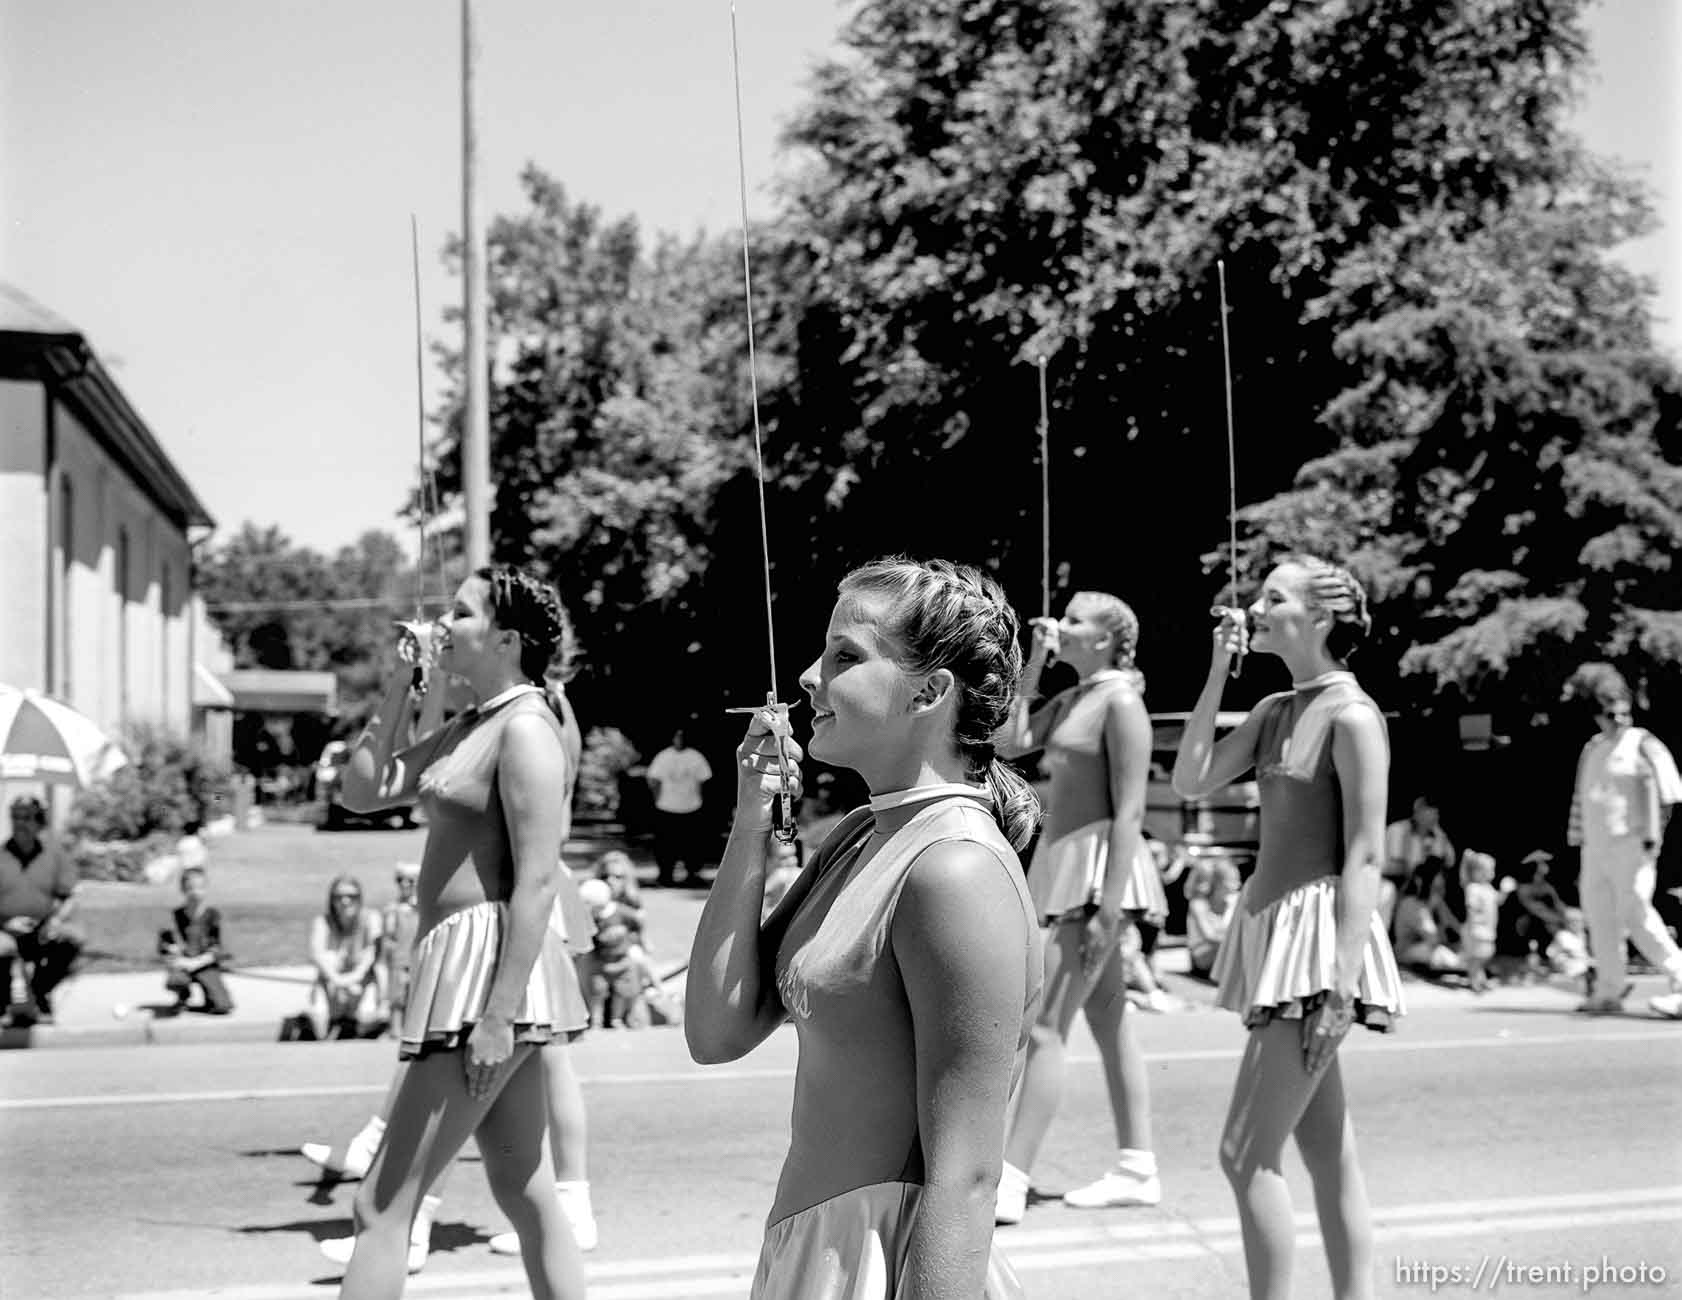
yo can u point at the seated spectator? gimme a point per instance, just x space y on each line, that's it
192 951
1420 945
1414 844
1209 914
399 923
783 862
1531 913
1568 949
616 972
37 900
345 949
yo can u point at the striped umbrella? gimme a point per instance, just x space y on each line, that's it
43 740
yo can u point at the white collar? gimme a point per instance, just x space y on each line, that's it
502 697
1324 679
881 803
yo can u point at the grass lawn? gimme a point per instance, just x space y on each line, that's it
269 883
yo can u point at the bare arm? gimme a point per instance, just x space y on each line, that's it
322 955
530 769
1203 766
1024 731
731 1002
1361 757
397 745
1127 741
961 940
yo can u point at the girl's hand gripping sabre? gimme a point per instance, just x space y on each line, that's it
768 770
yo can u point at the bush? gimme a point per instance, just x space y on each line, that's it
167 784
124 860
607 753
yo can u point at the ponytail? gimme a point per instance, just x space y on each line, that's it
1015 804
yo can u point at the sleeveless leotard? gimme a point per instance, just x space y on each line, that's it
851 1183
1279 955
1072 856
466 879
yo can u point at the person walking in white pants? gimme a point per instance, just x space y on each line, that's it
1627 786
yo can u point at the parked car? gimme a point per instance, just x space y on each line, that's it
329 778
1224 824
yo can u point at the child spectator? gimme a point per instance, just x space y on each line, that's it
399 922
615 868
1209 914
1568 950
345 948
617 970
192 951
1483 906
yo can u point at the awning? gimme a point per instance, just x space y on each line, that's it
270 690
208 691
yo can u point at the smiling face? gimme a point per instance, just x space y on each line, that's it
861 698
1282 620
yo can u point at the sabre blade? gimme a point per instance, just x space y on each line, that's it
1231 463
786 829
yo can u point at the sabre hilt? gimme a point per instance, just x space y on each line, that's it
776 717
1241 617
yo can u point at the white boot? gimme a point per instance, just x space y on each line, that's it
1132 1181
575 1204
359 1151
340 1249
1012 1201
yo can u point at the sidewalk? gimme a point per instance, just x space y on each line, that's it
122 1008
132 1008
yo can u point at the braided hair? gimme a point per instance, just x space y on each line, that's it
951 616
1335 590
1116 617
525 604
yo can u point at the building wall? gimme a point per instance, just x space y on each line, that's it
96 578
23 533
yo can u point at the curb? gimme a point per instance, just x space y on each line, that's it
139 1031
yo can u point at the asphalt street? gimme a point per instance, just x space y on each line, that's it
1497 1140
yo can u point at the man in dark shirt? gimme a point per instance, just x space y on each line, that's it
37 888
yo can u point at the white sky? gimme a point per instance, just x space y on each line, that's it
217 192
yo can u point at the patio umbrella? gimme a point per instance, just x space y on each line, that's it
43 740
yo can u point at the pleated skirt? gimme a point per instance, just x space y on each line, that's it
1067 875
853 1247
450 980
1279 962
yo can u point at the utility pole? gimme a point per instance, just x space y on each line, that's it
476 433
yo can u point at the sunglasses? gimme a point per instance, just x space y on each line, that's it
347 898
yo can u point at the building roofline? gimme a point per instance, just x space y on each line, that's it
65 362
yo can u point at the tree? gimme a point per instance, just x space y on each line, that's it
619 417
1437 365
281 605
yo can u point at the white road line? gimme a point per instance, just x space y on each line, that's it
1045 1250
686 1076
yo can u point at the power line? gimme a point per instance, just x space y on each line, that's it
293 606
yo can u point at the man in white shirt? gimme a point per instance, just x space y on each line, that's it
676 777
1627 785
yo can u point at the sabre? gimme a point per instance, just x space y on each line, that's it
416 643
1045 497
1231 464
777 713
